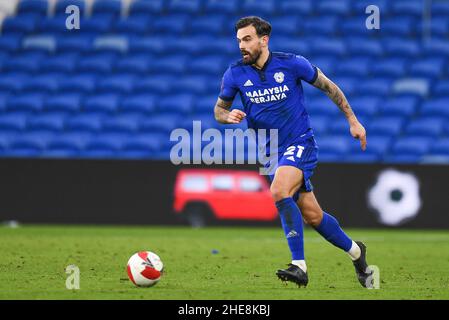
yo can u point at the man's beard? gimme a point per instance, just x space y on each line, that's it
252 58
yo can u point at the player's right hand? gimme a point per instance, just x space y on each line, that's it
235 116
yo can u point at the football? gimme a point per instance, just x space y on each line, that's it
145 268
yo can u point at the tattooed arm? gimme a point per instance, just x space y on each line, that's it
337 96
223 115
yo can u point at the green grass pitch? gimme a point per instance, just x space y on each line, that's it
412 264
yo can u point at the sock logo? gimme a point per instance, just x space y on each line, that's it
292 234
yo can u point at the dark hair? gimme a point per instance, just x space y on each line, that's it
263 28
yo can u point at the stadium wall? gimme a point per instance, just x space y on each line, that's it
141 192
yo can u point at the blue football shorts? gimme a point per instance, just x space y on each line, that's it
302 155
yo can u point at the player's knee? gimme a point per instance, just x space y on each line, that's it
313 217
278 193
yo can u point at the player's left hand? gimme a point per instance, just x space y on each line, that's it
359 132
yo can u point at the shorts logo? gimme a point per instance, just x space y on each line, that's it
279 77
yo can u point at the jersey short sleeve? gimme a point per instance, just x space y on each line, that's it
228 87
304 69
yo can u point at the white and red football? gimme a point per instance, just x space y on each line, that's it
145 268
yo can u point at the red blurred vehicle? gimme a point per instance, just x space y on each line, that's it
205 194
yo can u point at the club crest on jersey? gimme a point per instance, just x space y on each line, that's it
279 77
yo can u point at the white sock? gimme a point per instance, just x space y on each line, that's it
354 252
301 264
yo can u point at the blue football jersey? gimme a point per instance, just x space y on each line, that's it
273 97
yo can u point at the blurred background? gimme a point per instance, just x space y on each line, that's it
73 100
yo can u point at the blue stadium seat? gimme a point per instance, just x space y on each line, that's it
338 145
47 122
413 145
225 7
178 103
81 83
43 82
160 123
363 46
111 7
107 142
365 105
375 86
347 84
121 124
441 146
185 45
403 106
361 5
13 81
339 126
329 46
61 6
137 63
143 103
441 88
63 102
144 142
25 62
303 7
205 104
385 126
38 7
320 124
3 98
208 64
190 84
212 23
398 26
13 121
436 107
342 7
145 45
440 8
60 63
431 68
111 44
436 48
398 47
39 43
321 25
259 7
11 42
106 103
327 64
391 67
101 63
287 44
35 141
352 26
285 25
19 24
117 83
355 66
322 106
171 24
407 7
154 84
85 122
171 64
74 43
55 25
74 141
98 24
133 25
28 102
152 7
426 127
377 145
190 6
